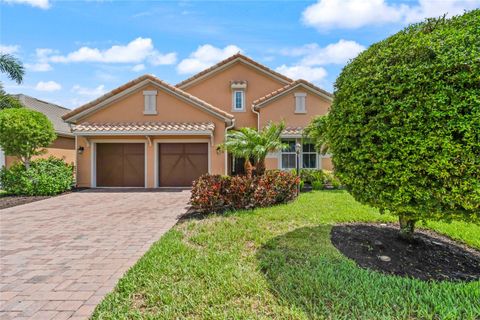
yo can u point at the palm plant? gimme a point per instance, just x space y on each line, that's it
249 143
12 67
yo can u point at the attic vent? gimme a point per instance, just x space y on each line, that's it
300 106
150 98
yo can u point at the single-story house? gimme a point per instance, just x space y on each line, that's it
63 146
148 133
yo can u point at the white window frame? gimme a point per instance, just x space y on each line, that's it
283 152
309 153
300 102
234 101
301 141
150 102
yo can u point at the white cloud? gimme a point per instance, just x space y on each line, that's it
38 67
5 49
205 56
48 86
41 65
138 67
352 14
435 8
97 91
157 58
42 4
136 51
314 74
334 53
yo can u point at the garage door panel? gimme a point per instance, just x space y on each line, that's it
181 163
120 165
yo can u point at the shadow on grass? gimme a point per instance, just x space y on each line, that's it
305 271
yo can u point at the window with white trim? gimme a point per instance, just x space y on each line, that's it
150 102
238 100
300 103
289 157
309 155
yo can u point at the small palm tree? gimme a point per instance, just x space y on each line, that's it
12 67
249 143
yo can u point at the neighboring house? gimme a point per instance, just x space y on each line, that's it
63 146
148 133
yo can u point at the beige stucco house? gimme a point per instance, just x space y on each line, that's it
148 133
63 146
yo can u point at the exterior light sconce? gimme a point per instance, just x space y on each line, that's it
80 150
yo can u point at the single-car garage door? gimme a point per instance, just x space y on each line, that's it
181 163
120 165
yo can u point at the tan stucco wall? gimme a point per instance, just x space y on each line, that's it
62 148
217 91
283 108
130 109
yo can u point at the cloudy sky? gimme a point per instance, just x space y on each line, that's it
74 51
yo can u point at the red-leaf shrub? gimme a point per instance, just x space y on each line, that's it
274 187
208 192
240 191
215 193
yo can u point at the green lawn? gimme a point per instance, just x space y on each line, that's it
279 263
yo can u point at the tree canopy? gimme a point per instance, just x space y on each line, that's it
24 133
249 143
404 126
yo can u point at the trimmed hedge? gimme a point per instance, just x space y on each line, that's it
45 177
214 193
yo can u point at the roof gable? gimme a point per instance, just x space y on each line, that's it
136 84
265 100
228 62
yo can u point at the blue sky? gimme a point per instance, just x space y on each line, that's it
74 51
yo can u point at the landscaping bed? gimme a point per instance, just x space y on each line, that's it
279 263
429 256
8 201
12 201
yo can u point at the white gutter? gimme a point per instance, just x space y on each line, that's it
224 139
258 116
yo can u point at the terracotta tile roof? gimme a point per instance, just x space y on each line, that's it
292 85
293 131
142 127
127 85
229 59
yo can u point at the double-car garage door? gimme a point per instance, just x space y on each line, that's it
123 164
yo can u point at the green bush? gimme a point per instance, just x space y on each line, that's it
317 185
404 126
44 177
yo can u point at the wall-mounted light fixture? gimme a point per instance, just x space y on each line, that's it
80 150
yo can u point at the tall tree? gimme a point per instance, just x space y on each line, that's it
404 126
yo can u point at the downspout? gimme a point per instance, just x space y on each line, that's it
258 117
225 138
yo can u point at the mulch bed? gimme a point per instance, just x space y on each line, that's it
12 201
429 256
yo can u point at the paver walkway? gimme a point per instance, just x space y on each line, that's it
60 256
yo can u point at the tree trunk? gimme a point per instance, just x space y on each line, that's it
407 227
260 167
248 168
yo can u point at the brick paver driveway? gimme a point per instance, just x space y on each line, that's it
60 256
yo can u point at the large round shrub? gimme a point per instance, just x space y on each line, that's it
404 127
44 177
24 133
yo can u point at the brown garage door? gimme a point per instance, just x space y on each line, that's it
120 165
181 163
